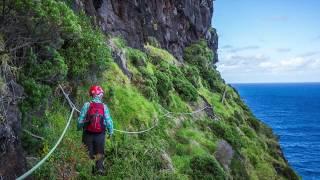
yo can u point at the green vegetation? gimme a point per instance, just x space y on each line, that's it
78 56
158 55
136 57
206 167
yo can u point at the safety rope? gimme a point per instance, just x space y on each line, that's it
72 105
51 151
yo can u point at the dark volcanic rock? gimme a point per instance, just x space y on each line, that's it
11 153
174 23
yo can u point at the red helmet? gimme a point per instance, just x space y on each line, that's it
95 90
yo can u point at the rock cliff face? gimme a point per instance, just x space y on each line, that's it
11 154
174 23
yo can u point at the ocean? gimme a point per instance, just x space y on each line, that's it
292 110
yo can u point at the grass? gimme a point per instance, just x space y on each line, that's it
191 134
215 100
159 55
70 156
119 42
186 142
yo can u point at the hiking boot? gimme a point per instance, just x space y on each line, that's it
100 172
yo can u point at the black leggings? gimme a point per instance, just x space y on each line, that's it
95 145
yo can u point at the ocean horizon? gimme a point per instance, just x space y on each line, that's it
292 110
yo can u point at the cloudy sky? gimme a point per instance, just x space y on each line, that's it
268 40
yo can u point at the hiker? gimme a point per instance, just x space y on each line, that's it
94 119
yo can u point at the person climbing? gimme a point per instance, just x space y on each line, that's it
94 119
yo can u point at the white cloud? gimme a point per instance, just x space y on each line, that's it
288 65
314 64
236 62
267 65
255 66
234 57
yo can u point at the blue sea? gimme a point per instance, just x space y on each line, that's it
293 112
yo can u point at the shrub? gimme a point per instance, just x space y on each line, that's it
182 86
239 169
87 55
164 84
212 77
149 84
119 42
265 171
176 104
69 47
248 132
224 153
192 74
254 123
199 54
185 89
157 55
238 117
37 92
175 71
48 69
206 167
137 57
165 67
229 133
82 47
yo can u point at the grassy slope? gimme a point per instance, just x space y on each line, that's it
158 82
184 138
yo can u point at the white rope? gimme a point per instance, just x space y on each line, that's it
72 105
26 174
136 132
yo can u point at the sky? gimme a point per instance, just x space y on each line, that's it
268 40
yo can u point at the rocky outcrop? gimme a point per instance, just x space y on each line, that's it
166 162
119 56
224 153
174 23
11 153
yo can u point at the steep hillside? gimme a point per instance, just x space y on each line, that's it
202 130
